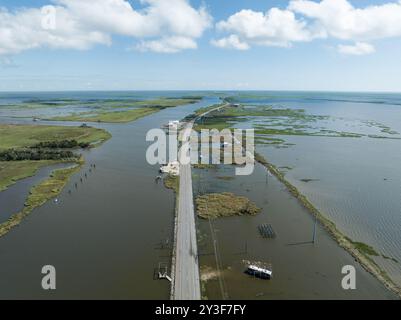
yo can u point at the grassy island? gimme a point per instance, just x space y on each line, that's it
126 111
21 141
23 136
109 117
40 194
217 205
25 149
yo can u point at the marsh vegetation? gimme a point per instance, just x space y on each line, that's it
128 111
272 127
218 205
40 194
24 149
273 124
172 182
27 136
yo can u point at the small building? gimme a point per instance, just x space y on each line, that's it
172 168
174 125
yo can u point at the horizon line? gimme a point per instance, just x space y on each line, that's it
201 90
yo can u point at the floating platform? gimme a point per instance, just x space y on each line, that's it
261 270
258 272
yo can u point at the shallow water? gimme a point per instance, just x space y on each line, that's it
13 198
356 185
357 181
104 239
301 270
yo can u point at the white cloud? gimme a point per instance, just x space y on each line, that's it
274 28
342 20
80 24
360 48
167 45
158 17
306 20
230 42
23 30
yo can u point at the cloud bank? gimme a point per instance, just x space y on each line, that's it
170 26
161 26
305 20
360 48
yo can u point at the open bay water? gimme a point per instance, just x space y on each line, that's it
301 269
356 182
104 239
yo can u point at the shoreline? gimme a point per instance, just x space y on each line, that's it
342 240
12 180
58 179
41 193
173 183
359 251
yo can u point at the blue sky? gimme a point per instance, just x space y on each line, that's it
328 57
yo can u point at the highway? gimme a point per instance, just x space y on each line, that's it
185 273
186 284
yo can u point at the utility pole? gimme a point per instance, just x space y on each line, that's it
314 230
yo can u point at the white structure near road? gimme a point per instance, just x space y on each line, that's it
172 168
174 125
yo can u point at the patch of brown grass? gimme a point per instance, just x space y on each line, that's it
216 205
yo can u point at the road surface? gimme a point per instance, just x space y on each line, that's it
186 279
